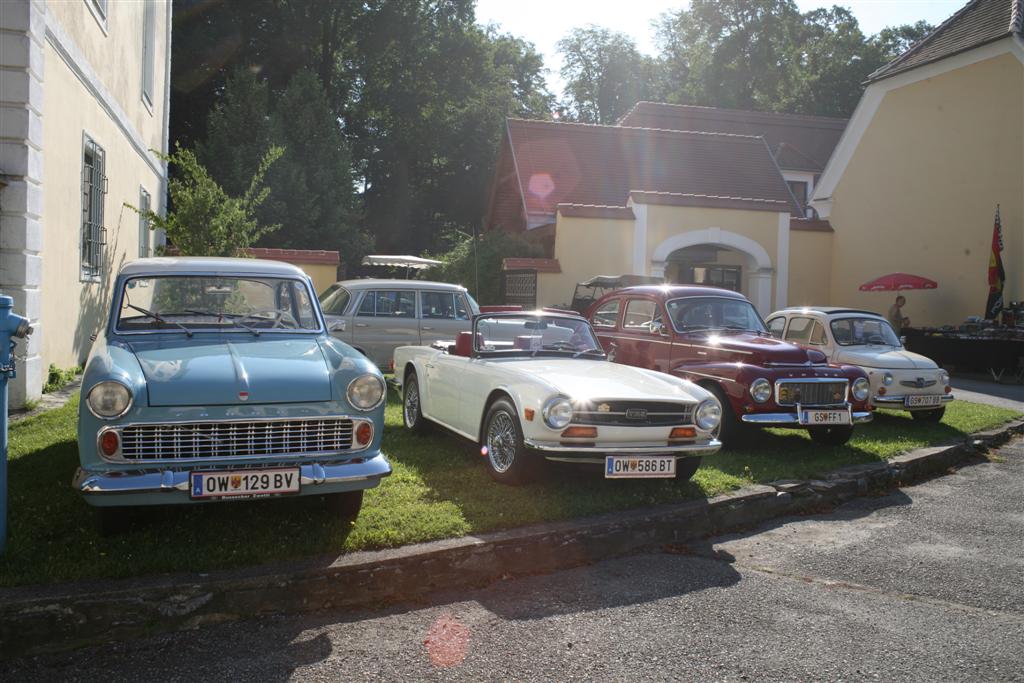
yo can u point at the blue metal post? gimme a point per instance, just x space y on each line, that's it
11 325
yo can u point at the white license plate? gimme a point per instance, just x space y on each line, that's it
814 418
639 466
915 401
244 483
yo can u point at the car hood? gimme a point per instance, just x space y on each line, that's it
201 371
885 357
752 348
580 378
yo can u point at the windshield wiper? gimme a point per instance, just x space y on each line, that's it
229 316
157 318
580 353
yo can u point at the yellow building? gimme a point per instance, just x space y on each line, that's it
690 194
84 87
712 196
936 142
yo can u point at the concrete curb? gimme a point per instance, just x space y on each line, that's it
46 619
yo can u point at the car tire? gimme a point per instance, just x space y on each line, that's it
345 505
412 410
731 431
687 467
508 460
929 415
111 521
836 435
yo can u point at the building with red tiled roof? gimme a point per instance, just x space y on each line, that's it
607 200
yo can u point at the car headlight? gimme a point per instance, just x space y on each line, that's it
708 414
943 378
366 392
557 412
861 388
887 379
761 390
109 400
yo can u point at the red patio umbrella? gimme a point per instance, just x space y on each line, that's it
894 282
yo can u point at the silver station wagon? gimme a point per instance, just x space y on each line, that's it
377 316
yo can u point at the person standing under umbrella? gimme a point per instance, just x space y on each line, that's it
895 315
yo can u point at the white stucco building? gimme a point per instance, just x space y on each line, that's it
84 89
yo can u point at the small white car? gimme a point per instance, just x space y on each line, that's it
535 386
900 379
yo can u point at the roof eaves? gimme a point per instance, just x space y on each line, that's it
671 131
789 190
916 47
515 166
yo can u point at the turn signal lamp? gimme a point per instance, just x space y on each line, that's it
948 389
682 433
881 391
109 443
580 433
528 414
364 433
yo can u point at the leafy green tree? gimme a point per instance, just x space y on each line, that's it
895 40
204 220
469 260
604 74
238 132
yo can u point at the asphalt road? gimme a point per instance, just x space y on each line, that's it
924 584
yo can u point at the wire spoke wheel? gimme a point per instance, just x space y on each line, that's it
412 404
501 442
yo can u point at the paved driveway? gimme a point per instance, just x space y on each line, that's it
923 584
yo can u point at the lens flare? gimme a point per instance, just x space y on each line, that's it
447 642
483 451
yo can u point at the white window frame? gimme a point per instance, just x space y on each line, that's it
99 10
148 53
145 232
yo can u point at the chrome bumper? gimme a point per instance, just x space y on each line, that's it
167 481
898 402
793 420
681 450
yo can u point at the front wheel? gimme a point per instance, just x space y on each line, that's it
835 435
731 431
687 467
929 415
345 505
412 410
508 460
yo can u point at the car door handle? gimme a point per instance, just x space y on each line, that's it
360 324
425 327
429 366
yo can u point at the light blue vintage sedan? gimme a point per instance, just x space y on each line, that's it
215 379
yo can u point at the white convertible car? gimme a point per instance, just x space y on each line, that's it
534 386
900 379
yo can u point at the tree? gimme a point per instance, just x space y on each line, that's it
204 219
895 40
313 194
238 132
730 53
468 260
604 74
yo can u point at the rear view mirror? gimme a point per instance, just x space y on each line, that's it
336 326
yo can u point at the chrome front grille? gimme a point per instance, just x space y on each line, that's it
807 393
235 439
632 413
919 383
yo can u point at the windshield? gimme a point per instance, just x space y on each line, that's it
201 304
713 313
336 302
536 334
856 331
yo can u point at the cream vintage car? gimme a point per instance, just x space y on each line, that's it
900 379
536 386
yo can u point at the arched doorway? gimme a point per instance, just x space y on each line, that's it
717 258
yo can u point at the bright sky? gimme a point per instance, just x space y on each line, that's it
544 22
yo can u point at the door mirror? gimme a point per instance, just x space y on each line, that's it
336 326
659 328
903 340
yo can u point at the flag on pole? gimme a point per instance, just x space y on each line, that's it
996 274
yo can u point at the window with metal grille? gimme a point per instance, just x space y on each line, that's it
94 187
144 230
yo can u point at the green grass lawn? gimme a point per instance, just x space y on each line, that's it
439 489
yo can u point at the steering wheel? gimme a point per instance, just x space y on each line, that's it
277 315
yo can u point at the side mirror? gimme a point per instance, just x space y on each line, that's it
903 340
336 326
659 329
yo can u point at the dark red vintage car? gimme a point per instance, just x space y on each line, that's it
716 338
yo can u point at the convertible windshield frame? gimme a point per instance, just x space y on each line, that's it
511 351
121 289
762 329
851 320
